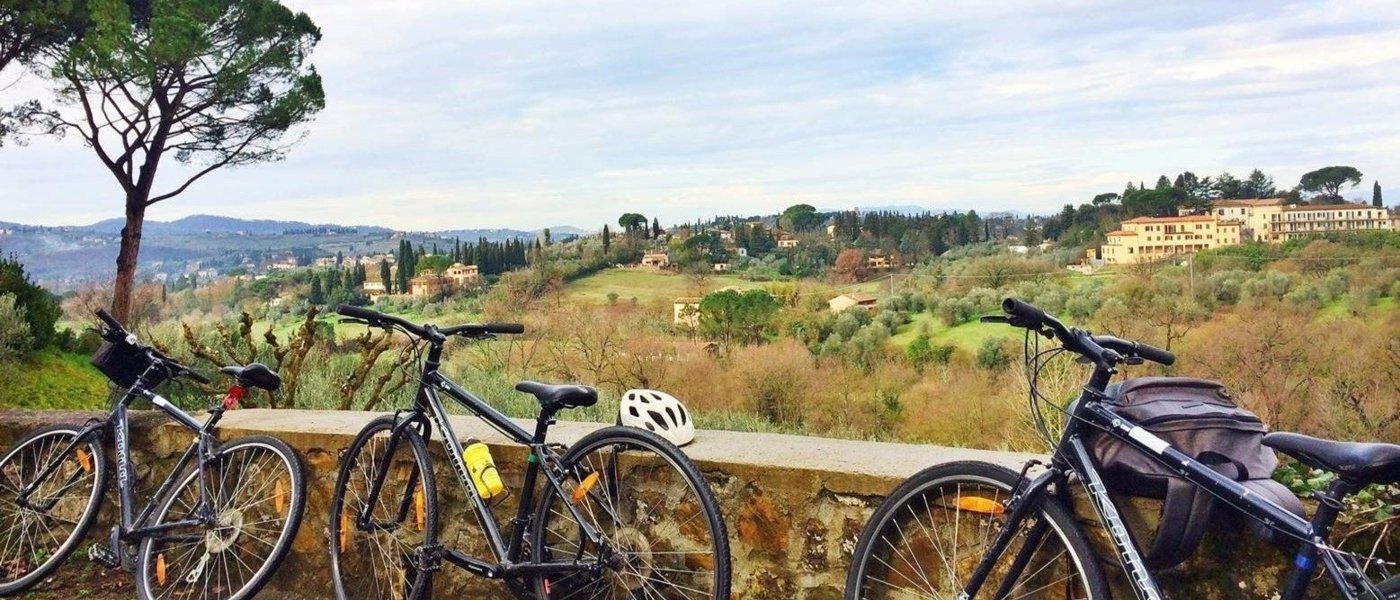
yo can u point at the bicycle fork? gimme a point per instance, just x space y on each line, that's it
1024 498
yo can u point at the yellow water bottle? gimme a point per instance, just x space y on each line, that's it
482 469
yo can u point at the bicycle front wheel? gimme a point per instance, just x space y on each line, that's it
928 536
660 529
376 557
37 535
225 542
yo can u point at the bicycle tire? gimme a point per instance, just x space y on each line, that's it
881 569
52 438
238 460
645 536
342 536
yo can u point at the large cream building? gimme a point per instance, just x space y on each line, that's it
1270 220
1152 238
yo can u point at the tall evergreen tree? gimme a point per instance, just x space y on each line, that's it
1376 200
317 295
386 277
655 228
607 239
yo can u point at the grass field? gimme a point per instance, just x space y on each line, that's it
1338 308
645 285
968 336
53 380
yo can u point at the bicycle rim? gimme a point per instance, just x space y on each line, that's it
378 561
35 539
928 540
235 539
663 535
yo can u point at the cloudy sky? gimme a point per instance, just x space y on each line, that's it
519 113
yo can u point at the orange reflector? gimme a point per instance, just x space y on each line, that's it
985 506
344 532
279 495
420 509
584 486
85 460
160 569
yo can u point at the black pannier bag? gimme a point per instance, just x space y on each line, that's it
123 363
1198 418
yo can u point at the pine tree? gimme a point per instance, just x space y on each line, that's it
1376 200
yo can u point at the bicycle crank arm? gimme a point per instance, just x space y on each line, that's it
551 568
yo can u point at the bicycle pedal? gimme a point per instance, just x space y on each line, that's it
104 556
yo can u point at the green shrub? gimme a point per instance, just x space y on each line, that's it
993 355
15 339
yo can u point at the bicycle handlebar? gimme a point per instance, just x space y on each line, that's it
1104 350
378 319
117 334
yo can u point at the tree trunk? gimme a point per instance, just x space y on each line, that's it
125 284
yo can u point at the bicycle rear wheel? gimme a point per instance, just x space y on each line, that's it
662 532
375 560
37 537
928 536
228 545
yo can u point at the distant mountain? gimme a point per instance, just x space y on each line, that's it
201 224
903 209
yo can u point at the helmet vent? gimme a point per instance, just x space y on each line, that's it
633 410
672 413
658 419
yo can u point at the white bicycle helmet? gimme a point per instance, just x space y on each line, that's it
659 413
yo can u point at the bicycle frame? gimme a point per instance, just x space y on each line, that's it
506 550
1088 414
134 528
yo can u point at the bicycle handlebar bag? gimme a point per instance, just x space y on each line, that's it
123 363
1199 418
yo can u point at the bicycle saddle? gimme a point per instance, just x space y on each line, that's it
1360 463
559 396
255 375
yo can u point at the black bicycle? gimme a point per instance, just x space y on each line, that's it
949 531
622 513
217 527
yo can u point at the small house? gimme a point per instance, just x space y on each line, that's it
846 301
656 260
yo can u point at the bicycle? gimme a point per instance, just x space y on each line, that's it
621 513
947 531
217 527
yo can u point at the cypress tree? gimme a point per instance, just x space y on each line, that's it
316 296
386 277
1376 200
607 239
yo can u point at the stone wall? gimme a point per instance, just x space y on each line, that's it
794 505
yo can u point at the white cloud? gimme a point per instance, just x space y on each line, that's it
446 114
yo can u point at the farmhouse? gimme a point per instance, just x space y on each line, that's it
656 260
686 312
429 285
463 276
787 243
845 301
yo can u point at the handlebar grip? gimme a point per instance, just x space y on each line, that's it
1155 354
1023 313
108 320
357 312
505 328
